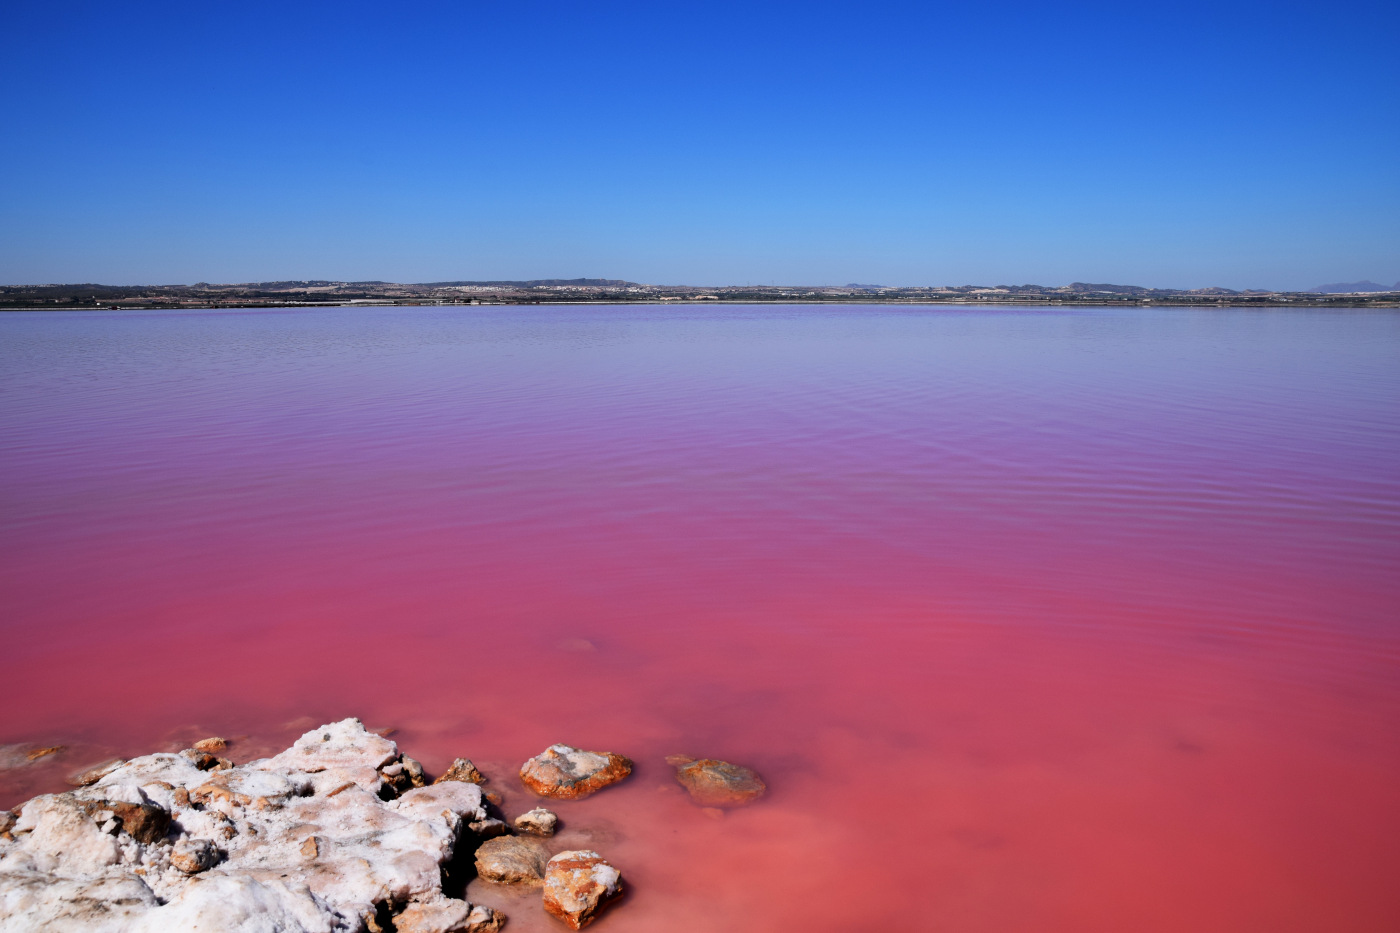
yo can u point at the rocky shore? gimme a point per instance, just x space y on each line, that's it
339 833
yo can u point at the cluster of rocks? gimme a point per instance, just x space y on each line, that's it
339 833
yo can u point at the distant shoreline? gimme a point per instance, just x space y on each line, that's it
1270 302
325 293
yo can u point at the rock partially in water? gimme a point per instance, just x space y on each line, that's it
204 761
95 773
568 773
714 783
414 769
212 744
300 842
511 860
449 915
578 884
538 822
462 770
489 829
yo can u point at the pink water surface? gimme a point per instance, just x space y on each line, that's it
1034 620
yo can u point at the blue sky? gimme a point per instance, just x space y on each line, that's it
1250 145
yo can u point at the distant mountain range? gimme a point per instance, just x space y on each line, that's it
1345 287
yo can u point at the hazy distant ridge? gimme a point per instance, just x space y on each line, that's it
1345 287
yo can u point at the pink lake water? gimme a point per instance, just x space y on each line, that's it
1034 620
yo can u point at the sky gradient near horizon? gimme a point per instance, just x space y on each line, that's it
1241 144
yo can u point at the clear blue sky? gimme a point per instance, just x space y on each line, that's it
1175 145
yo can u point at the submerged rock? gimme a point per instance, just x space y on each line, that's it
538 822
462 770
300 842
577 884
34 754
714 783
511 860
567 773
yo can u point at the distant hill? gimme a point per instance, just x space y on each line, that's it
534 283
1104 287
1342 287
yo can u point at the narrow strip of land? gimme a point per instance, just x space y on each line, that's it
609 291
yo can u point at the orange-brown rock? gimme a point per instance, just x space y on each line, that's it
577 884
462 770
192 856
714 783
144 822
205 761
212 744
567 773
511 860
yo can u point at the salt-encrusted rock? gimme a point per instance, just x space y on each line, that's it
192 856
714 783
160 845
511 860
462 770
396 777
95 773
212 744
577 884
56 832
97 903
7 821
565 772
448 915
214 902
538 822
414 770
